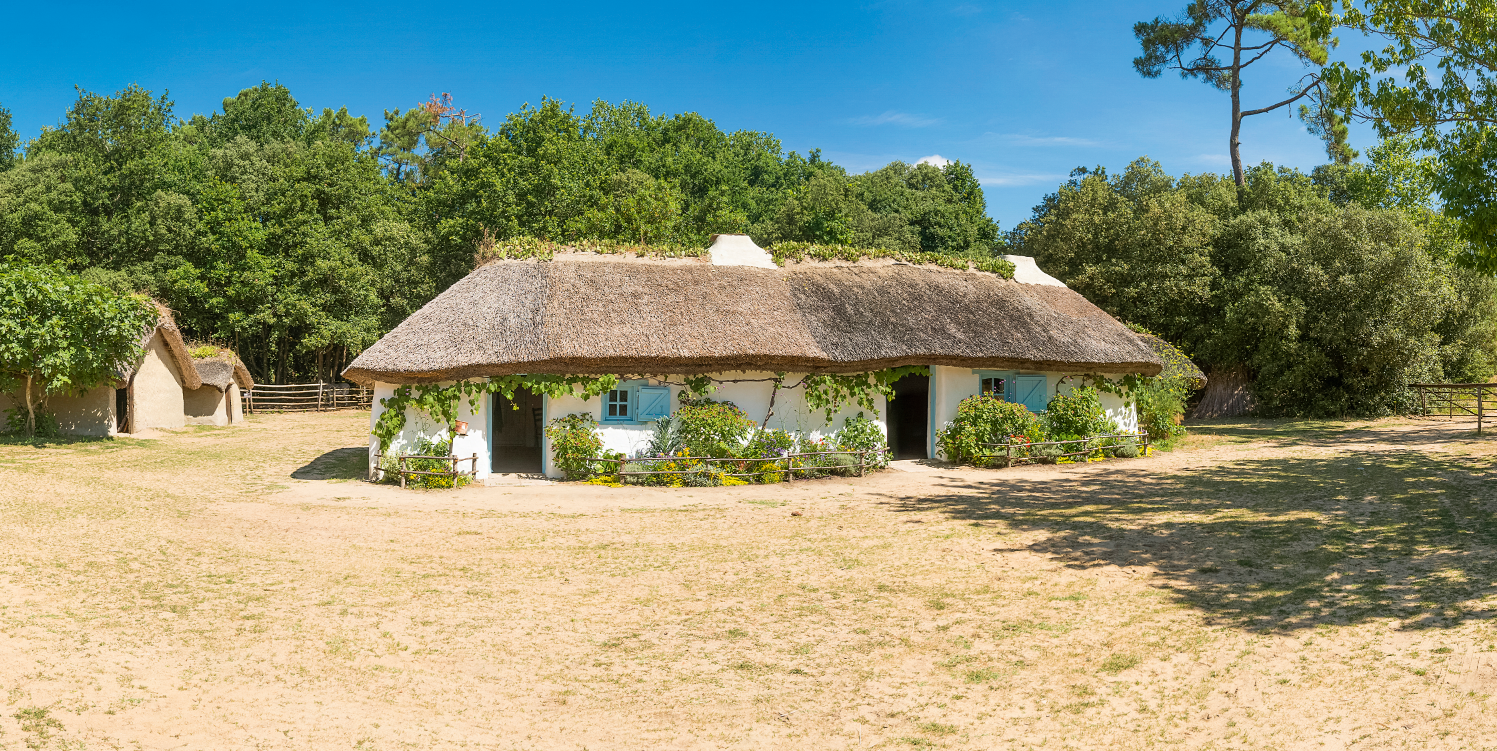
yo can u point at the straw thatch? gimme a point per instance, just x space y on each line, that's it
222 370
1176 363
166 325
592 315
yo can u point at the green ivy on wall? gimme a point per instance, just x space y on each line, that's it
440 402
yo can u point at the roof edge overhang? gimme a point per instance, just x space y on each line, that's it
366 377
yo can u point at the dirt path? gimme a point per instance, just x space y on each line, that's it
1268 585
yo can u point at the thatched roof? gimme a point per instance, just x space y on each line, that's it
223 369
591 315
1176 364
166 326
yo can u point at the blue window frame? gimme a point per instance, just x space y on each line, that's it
636 402
1011 386
616 405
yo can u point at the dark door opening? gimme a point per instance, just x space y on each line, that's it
909 417
122 410
516 442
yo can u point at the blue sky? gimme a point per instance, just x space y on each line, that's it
1024 91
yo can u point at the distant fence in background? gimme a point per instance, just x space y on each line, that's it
306 397
1451 400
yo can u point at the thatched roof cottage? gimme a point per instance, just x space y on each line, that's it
147 394
738 317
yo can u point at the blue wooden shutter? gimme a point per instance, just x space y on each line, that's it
654 403
1030 392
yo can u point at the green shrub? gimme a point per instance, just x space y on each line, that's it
984 419
767 446
425 447
46 423
574 440
862 434
710 428
1078 414
1161 407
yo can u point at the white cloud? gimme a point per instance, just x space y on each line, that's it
903 119
935 160
1009 181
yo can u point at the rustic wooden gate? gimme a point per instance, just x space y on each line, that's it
1452 400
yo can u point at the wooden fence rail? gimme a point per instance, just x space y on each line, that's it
306 397
400 467
1022 452
1452 400
787 471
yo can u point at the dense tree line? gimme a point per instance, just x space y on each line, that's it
1324 293
298 238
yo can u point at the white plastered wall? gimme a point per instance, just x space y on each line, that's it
949 386
156 399
791 412
419 426
89 414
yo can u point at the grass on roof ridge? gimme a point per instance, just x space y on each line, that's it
524 248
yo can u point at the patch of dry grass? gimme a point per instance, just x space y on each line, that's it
1267 585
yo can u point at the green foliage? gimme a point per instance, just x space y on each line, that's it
829 392
859 433
1434 80
61 334
984 419
574 440
1077 414
440 403
710 428
1216 40
426 448
298 239
785 252
1161 406
1331 307
9 141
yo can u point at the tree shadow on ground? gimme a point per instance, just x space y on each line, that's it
338 464
1267 543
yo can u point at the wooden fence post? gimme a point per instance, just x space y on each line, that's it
1480 392
402 472
862 461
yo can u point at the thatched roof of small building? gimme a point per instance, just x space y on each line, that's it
223 369
587 314
1176 363
176 347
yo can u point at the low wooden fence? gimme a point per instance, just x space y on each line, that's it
1452 400
788 470
306 397
401 469
1014 453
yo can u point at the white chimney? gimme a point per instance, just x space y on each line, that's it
738 250
1027 272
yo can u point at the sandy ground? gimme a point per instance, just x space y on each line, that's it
1266 585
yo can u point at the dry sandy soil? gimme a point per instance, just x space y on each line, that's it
1265 585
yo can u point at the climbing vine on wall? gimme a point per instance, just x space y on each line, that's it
440 402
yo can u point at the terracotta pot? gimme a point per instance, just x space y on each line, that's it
460 427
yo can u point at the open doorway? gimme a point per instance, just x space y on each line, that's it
516 444
909 417
122 410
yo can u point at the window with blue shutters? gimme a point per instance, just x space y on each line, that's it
616 405
1029 390
653 403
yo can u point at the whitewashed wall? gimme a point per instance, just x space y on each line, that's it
949 386
791 412
418 426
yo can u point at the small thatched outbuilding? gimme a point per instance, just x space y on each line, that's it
218 401
738 317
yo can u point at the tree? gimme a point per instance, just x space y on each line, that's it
1326 307
60 334
9 141
1208 29
1445 97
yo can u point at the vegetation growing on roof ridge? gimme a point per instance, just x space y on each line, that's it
784 252
525 248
